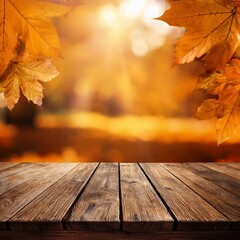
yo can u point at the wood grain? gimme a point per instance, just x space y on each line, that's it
227 182
225 202
14 169
141 207
15 199
224 168
13 180
98 206
235 165
191 211
47 210
40 200
4 165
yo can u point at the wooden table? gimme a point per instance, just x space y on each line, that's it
120 201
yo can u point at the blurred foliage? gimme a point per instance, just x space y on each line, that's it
117 63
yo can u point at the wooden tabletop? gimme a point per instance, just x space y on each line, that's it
127 197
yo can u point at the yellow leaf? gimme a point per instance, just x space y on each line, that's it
25 75
208 109
9 84
2 101
8 38
228 124
212 30
28 19
227 81
222 52
69 2
226 108
227 115
206 81
232 70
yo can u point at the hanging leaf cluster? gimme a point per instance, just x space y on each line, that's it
212 35
28 42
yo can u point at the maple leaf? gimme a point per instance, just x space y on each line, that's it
212 30
226 113
222 82
229 122
2 100
67 2
226 107
28 19
25 75
208 109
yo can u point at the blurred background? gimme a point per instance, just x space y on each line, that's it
118 96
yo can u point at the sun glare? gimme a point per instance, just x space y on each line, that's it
125 18
132 8
108 15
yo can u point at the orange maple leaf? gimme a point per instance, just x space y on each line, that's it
28 20
226 105
212 30
25 74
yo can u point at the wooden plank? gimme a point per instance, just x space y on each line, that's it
47 210
117 235
227 182
142 209
15 199
225 202
224 168
34 170
4 165
98 206
14 169
233 165
190 210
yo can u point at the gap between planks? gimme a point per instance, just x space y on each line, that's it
97 209
162 199
121 216
120 198
118 183
46 211
192 213
69 212
223 201
18 197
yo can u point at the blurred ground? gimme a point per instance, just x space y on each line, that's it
94 137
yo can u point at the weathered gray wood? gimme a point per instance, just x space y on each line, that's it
4 165
190 210
15 199
142 209
34 170
14 169
117 235
225 181
47 210
224 168
225 202
98 206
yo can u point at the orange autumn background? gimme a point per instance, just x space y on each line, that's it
118 96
